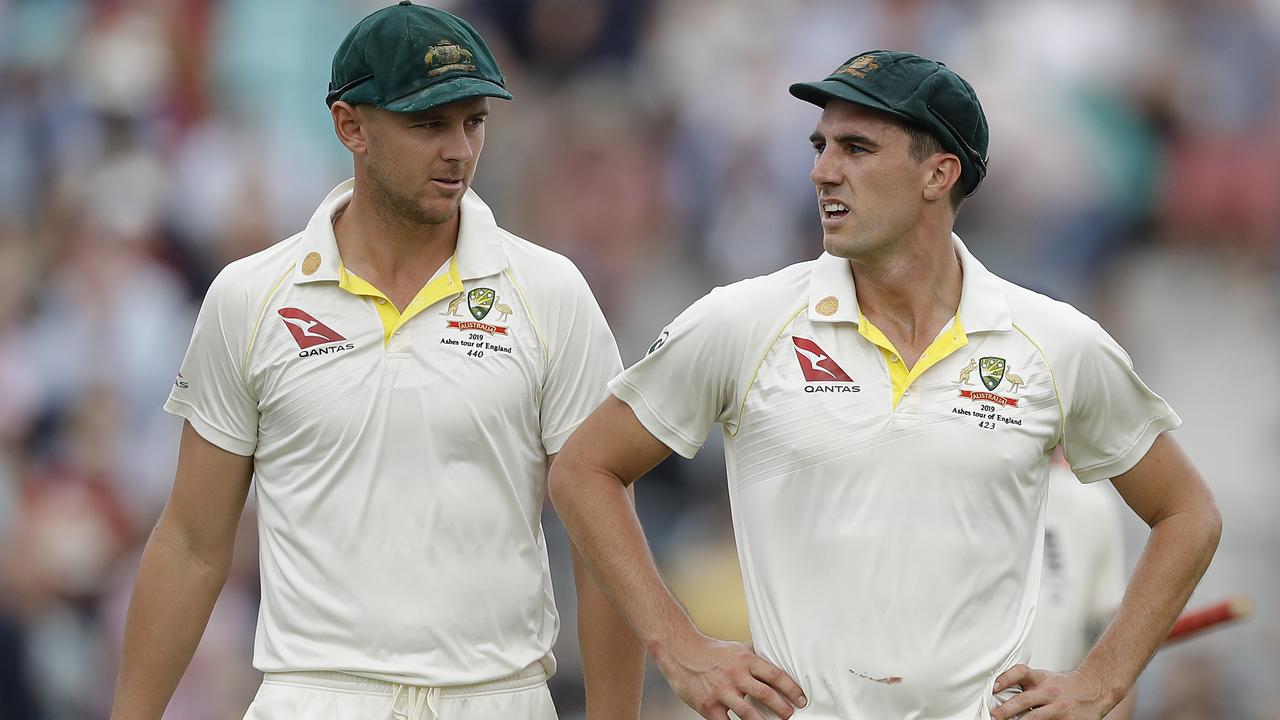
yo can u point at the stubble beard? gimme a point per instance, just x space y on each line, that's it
404 207
849 244
862 242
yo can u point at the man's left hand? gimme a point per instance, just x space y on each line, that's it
1076 695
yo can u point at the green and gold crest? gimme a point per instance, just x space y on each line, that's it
480 302
859 66
991 370
445 56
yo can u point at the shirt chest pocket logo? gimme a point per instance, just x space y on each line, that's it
993 371
309 333
998 393
820 370
480 302
476 339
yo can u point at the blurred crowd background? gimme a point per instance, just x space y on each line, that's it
1135 171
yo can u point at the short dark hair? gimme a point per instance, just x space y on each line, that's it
924 144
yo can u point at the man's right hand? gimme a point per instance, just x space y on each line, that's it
713 676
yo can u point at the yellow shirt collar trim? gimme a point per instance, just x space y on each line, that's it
439 288
952 338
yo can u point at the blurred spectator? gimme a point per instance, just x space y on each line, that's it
558 39
15 681
1135 171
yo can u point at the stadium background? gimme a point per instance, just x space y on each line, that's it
144 143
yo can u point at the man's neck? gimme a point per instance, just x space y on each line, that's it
912 293
393 254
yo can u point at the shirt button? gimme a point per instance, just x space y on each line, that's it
382 301
893 358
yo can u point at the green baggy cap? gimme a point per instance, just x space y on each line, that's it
408 57
918 90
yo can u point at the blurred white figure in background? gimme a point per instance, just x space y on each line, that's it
1083 579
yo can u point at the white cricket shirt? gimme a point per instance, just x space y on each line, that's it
888 521
399 459
1083 578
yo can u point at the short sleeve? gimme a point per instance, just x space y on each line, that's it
1111 417
582 356
688 380
210 391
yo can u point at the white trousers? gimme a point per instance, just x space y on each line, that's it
341 696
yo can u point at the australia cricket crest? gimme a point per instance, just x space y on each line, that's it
446 56
480 302
991 370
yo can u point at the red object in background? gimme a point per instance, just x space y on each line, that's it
1195 621
1223 190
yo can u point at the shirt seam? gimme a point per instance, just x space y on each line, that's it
176 403
1062 413
763 356
1139 438
262 312
533 318
689 443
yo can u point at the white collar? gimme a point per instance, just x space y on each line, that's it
479 251
983 305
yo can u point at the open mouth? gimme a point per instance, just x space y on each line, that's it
833 209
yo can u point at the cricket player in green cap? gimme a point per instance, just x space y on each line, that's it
890 411
396 379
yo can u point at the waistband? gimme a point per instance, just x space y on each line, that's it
532 676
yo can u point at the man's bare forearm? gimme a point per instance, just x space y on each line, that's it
1126 708
602 523
1176 555
589 482
172 600
612 657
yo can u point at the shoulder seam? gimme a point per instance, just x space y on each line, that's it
1062 413
533 319
769 346
262 311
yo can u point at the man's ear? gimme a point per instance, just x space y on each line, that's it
944 172
350 124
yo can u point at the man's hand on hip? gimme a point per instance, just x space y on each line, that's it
1076 695
713 676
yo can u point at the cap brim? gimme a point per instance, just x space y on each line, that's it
820 92
443 93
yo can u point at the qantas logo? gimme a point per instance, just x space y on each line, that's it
816 364
309 332
818 367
